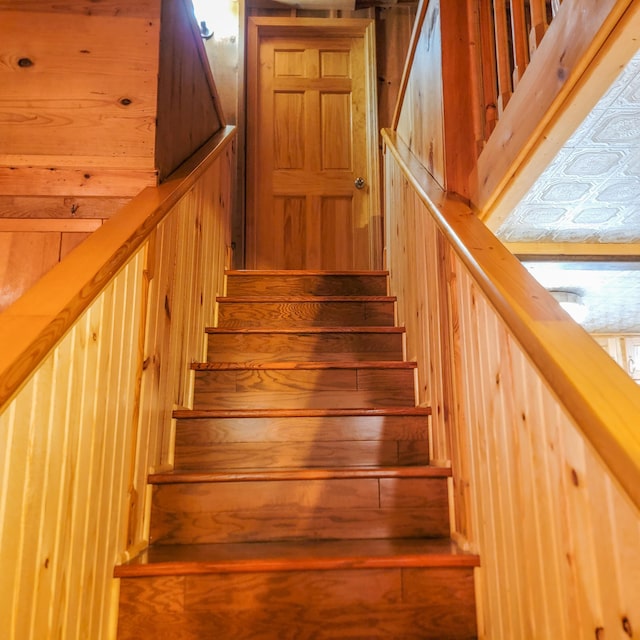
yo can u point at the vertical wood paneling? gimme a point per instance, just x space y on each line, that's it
393 33
421 118
557 536
77 442
188 111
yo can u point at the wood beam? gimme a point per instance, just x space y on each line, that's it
574 251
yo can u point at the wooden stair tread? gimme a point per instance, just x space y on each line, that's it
308 473
303 330
176 559
299 413
342 364
303 299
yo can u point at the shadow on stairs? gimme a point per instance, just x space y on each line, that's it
302 504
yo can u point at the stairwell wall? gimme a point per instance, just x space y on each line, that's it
537 422
539 425
93 360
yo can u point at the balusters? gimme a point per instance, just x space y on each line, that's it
503 53
539 24
488 65
520 39
509 32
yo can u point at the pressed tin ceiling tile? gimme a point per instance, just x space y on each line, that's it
591 190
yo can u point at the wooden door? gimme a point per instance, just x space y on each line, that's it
312 134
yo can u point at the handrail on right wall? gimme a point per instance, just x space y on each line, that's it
540 426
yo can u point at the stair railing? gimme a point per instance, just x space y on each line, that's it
532 59
87 387
541 427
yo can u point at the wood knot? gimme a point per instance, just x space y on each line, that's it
626 627
25 63
574 478
125 102
599 633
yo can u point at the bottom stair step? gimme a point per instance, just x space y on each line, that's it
392 589
165 560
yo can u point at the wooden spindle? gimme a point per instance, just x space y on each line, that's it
539 23
489 66
519 40
503 61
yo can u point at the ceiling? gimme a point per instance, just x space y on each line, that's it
590 193
610 291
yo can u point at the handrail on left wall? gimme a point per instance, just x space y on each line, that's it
34 323
93 361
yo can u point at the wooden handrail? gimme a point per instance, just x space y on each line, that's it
34 323
606 410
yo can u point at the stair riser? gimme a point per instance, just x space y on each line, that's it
299 509
212 431
311 285
430 604
205 444
325 347
301 454
299 389
305 314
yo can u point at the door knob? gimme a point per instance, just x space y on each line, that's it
360 183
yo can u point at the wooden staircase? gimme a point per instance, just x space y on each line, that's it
302 503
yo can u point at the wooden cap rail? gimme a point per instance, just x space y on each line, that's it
35 323
602 400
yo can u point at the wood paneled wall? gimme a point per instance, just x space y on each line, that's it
79 96
92 361
557 534
419 119
82 88
189 111
435 112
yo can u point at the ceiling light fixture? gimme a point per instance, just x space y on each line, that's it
572 302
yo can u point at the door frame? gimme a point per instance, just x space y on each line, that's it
262 27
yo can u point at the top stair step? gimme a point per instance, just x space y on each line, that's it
307 283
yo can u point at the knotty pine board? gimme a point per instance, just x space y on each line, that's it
115 64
